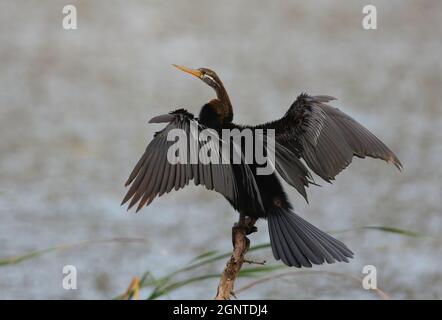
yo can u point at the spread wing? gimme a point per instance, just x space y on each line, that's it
325 137
155 174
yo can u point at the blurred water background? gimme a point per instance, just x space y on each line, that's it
74 107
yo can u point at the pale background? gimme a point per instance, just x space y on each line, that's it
74 107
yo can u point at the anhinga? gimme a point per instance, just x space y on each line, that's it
323 136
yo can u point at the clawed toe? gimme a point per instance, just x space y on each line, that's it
251 229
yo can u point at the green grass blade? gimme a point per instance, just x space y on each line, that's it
261 269
247 272
27 256
204 255
404 232
163 285
210 259
37 253
388 229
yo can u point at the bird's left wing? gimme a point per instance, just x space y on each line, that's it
155 174
325 137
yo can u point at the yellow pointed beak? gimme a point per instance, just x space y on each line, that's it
193 72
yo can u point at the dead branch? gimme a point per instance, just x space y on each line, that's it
241 243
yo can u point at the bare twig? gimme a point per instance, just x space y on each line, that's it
241 244
133 291
263 262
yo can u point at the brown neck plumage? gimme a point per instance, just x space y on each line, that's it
224 107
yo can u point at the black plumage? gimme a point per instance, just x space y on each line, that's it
324 137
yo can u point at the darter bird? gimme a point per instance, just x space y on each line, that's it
325 138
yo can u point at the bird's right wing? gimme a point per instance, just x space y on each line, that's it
155 174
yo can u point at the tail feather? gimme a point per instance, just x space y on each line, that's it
300 244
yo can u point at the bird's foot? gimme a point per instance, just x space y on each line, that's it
249 225
251 229
247 228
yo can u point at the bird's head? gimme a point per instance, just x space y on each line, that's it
222 104
206 75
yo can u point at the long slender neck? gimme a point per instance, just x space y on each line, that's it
223 97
